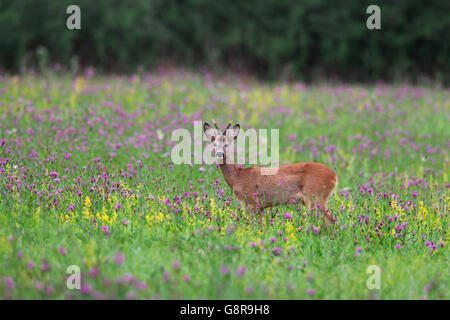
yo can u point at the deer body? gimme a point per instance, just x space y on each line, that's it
307 182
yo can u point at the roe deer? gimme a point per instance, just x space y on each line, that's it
307 182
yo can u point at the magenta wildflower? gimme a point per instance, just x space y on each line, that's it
86 288
106 230
119 258
49 290
186 278
176 265
241 271
166 276
224 270
130 295
38 285
62 250
9 282
311 292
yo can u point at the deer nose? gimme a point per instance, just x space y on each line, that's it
219 154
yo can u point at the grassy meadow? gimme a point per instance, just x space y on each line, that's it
86 179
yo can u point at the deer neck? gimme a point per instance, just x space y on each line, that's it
230 172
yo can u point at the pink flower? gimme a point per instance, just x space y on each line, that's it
224 270
9 282
86 289
119 258
130 295
62 250
106 230
241 271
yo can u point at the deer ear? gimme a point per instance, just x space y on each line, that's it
209 131
232 133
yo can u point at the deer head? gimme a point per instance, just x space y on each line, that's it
221 140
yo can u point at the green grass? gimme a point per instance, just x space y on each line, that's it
388 145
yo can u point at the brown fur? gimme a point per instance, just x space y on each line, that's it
307 182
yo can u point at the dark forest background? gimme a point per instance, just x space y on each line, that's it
271 39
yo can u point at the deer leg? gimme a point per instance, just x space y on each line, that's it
326 214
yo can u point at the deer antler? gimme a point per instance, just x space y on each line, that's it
214 122
228 126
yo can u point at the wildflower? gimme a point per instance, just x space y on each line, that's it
38 285
224 270
62 250
98 295
119 258
94 272
277 251
166 275
398 246
130 295
176 265
20 254
106 230
186 278
9 282
311 292
49 290
86 289
141 286
45 267
249 290
241 271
